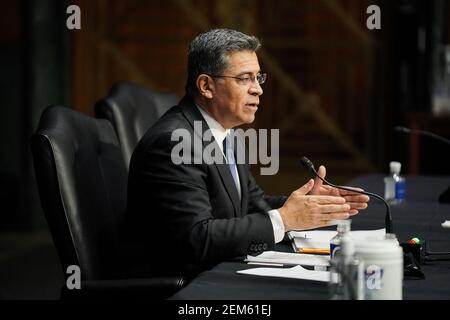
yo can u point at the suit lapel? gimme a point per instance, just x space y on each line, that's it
243 173
243 177
193 114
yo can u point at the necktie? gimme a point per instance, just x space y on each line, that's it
231 161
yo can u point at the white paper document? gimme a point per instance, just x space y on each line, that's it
319 239
284 258
297 272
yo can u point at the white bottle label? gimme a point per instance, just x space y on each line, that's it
389 189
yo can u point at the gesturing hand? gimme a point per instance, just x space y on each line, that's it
302 211
356 201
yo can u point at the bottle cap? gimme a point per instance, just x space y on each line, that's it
344 225
391 237
395 167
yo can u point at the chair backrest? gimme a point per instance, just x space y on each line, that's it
133 109
82 183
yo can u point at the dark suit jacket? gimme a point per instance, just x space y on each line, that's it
186 218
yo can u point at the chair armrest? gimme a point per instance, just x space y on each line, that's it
148 288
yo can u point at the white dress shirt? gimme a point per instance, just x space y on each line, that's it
219 133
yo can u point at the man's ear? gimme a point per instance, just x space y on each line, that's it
205 86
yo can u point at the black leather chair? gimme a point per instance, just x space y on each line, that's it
82 182
132 109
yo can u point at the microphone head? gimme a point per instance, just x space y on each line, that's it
401 129
307 163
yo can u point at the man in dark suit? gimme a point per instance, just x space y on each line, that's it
187 217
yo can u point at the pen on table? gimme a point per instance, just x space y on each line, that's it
312 250
271 264
290 265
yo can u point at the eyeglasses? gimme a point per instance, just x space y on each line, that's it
245 80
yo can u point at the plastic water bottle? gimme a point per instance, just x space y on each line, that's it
347 273
394 184
343 228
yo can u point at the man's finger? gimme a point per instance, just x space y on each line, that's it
346 192
359 198
328 199
332 208
329 190
322 173
307 187
357 205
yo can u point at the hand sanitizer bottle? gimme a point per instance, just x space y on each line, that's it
394 184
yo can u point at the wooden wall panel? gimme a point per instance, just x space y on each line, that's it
140 41
321 48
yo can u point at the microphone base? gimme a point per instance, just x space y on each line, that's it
418 250
445 196
414 255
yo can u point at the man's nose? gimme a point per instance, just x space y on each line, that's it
256 89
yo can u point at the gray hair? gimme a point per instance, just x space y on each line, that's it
208 53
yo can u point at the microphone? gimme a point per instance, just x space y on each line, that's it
422 132
445 196
388 220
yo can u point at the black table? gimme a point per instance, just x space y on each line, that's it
419 216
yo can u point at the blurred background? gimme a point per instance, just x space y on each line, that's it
335 91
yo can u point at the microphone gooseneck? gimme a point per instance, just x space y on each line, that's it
445 195
388 221
422 132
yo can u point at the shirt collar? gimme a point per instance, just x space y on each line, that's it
217 130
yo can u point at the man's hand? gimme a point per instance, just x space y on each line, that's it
302 211
356 201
